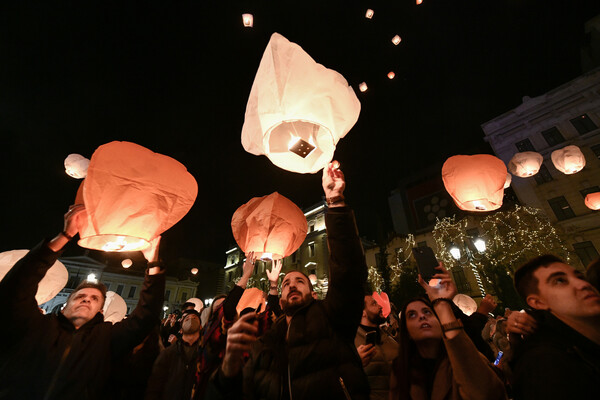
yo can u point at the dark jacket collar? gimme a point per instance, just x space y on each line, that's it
68 325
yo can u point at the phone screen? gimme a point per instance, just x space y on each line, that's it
371 337
426 261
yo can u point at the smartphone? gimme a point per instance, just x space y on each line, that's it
426 261
371 337
497 361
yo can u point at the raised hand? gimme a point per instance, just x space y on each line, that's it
151 252
248 266
445 288
488 304
73 219
520 323
333 180
366 353
273 274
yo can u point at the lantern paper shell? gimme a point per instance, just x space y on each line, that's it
476 183
198 304
126 263
568 160
115 308
131 196
508 181
269 224
53 282
248 20
76 166
252 298
391 75
592 201
363 86
298 110
525 164
466 304
384 301
396 40
369 14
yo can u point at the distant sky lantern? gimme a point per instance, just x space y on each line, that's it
525 164
396 40
269 224
466 304
476 183
419 2
391 75
297 110
369 14
76 166
508 181
592 201
194 271
363 87
568 160
126 263
132 195
53 282
198 304
248 20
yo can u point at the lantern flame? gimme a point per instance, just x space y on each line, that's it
267 256
122 244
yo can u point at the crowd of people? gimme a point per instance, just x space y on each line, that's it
298 346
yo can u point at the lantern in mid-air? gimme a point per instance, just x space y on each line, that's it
115 308
53 282
396 40
76 166
271 225
251 298
363 87
466 303
384 301
568 160
194 271
525 164
198 304
248 20
369 14
476 183
126 263
297 110
131 196
592 201
391 75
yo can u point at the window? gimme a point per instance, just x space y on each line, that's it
561 208
131 292
311 228
419 244
167 295
589 190
461 280
586 252
553 136
524 145
107 286
311 249
543 175
295 257
183 297
596 149
583 124
120 290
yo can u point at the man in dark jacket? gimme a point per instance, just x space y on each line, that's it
309 352
66 355
561 360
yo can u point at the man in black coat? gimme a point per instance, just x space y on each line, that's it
309 352
67 355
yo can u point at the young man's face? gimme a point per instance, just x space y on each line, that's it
565 292
373 312
295 292
84 304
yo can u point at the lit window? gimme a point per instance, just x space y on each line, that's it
583 124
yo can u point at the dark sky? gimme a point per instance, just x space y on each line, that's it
174 76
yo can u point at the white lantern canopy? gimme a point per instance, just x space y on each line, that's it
396 40
198 304
391 75
466 304
369 14
126 263
297 110
508 181
363 87
115 308
525 164
76 166
248 20
568 160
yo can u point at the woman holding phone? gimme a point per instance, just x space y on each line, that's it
436 359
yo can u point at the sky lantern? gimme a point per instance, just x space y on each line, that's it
248 20
251 298
53 282
419 2
198 304
131 196
369 14
270 226
76 166
297 110
384 301
115 308
525 164
592 201
391 75
194 271
568 160
466 303
126 263
508 181
396 40
476 183
363 87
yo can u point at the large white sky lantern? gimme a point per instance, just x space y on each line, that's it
476 183
525 164
248 20
53 282
76 166
568 160
297 110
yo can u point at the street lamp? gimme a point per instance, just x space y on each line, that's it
455 252
469 257
479 245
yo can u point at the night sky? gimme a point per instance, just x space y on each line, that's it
174 76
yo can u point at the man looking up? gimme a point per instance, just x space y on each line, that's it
562 358
68 354
309 353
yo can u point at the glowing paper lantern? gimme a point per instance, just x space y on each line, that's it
252 298
313 279
369 13
384 301
76 166
53 282
508 181
198 304
525 164
391 75
248 20
269 224
126 263
476 183
298 110
115 308
363 87
396 40
592 201
419 2
132 195
194 271
568 160
466 304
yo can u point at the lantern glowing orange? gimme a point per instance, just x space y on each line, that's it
592 201
248 20
269 224
297 110
525 164
391 75
384 301
251 298
476 183
568 160
369 13
396 40
363 87
132 195
126 263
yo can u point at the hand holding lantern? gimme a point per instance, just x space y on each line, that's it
247 270
334 184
